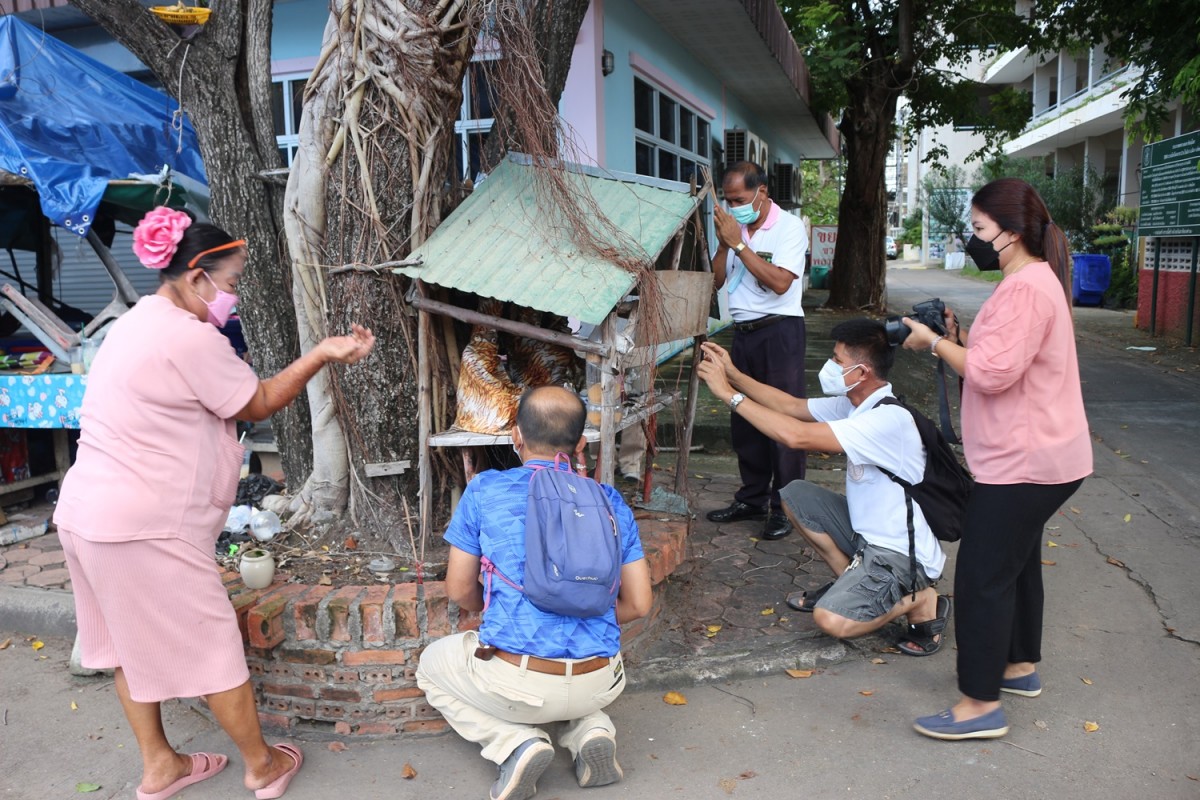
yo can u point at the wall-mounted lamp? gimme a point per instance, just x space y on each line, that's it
607 63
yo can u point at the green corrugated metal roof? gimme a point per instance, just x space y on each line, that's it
502 243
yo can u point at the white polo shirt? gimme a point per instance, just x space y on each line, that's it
783 241
881 437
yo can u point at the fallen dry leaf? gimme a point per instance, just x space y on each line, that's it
866 692
1192 778
74 706
1091 727
713 628
5 644
674 699
1047 563
766 612
325 580
799 673
1040 724
1051 544
1115 562
407 772
337 747
38 644
351 543
728 784
1128 517
1075 510
747 775
895 650
1088 681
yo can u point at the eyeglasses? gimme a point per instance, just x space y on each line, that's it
231 245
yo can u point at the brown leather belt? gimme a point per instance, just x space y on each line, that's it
546 666
761 322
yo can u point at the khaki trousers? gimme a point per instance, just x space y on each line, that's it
499 705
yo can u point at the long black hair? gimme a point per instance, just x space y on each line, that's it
1017 207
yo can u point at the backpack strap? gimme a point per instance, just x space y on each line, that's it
908 503
487 568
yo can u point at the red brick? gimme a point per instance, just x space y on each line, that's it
20 555
305 611
342 728
329 711
340 695
289 690
242 603
360 658
308 656
370 728
388 695
313 674
397 711
404 608
468 620
426 726
228 576
274 721
265 620
437 609
371 610
377 676
338 609
344 676
304 708
16 574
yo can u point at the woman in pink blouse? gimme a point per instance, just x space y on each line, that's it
153 481
1026 439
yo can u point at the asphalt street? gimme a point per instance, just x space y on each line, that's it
1122 651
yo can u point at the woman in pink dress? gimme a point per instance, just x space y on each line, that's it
155 475
1026 439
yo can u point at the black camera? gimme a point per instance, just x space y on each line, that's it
930 312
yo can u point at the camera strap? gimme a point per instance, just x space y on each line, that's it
944 403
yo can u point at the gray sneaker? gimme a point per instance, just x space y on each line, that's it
520 771
596 764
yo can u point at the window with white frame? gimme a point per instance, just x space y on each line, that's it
670 138
475 117
287 101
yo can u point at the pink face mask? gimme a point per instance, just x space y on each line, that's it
221 306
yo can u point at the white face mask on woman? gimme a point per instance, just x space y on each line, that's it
833 378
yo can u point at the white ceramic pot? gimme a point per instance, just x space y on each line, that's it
257 568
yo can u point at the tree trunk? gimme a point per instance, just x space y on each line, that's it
856 279
222 79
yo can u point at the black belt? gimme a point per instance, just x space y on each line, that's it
761 322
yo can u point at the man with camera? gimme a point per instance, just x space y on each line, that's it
760 261
864 535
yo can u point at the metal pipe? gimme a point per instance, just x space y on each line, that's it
519 328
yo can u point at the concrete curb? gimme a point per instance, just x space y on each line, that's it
42 611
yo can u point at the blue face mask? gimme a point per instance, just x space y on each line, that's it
744 215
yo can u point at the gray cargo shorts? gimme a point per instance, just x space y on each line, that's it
876 579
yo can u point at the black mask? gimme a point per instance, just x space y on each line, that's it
985 256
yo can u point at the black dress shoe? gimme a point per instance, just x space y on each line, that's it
777 527
735 512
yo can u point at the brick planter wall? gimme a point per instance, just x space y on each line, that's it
329 662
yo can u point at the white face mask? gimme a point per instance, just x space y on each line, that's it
833 378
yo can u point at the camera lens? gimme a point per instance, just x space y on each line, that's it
896 331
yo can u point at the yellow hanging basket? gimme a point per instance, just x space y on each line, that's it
179 14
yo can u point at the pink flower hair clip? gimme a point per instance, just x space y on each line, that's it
157 236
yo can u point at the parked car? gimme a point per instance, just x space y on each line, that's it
889 247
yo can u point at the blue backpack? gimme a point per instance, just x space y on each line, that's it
572 545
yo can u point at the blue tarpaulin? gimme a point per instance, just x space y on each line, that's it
70 125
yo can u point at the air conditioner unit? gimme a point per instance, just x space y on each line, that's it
786 191
742 145
764 156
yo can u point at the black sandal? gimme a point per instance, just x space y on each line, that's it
925 638
806 601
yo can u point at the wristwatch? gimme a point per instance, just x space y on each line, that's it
735 400
740 247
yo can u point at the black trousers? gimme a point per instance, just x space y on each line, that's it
773 355
998 592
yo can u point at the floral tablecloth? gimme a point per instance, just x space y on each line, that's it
41 401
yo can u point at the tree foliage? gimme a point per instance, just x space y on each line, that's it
862 58
821 185
948 198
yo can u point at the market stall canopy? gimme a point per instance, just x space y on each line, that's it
70 126
502 242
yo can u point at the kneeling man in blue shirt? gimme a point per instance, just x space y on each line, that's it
526 667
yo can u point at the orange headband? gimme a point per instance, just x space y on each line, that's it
217 249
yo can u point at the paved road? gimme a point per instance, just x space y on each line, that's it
1121 650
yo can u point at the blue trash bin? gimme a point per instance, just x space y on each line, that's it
1090 277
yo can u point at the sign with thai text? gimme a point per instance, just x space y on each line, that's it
1171 187
824 240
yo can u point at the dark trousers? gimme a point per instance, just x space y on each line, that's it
773 355
998 595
